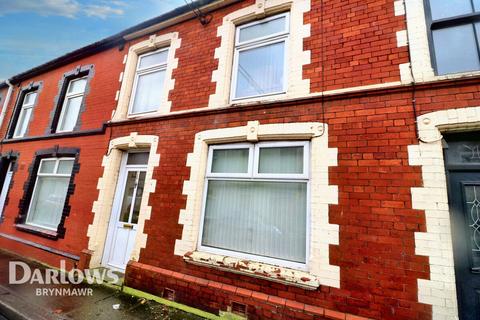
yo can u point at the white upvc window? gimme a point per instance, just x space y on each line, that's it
71 105
25 114
148 86
50 192
260 59
256 202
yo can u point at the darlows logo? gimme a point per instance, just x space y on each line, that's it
22 273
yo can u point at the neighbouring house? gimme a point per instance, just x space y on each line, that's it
146 153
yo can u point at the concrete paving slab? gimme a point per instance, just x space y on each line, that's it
22 301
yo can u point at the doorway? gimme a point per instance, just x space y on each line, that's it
122 229
462 160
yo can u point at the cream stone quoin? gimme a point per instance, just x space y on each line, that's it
436 243
102 207
154 42
296 56
322 233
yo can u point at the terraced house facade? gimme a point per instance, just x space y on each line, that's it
147 153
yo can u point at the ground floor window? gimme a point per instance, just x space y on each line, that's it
49 193
256 201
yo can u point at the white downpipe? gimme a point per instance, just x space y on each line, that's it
5 103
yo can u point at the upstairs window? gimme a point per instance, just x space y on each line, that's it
455 35
256 202
50 192
25 114
260 66
71 104
148 87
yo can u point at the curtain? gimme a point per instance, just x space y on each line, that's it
291 160
70 116
230 161
149 91
260 70
257 217
22 122
153 59
263 29
48 201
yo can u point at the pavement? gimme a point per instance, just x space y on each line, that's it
21 301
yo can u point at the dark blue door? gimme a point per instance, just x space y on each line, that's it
463 169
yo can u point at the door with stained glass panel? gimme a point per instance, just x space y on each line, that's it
125 211
463 164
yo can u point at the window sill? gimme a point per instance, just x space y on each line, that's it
255 269
279 96
450 76
38 231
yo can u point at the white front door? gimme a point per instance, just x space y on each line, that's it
5 186
125 211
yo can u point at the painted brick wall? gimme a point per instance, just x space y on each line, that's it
100 102
92 150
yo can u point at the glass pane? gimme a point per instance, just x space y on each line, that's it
153 59
65 167
128 196
262 218
77 86
472 197
149 92
262 29
260 70
47 166
476 5
455 49
281 160
48 201
22 123
449 8
138 158
230 161
463 152
30 98
70 115
138 197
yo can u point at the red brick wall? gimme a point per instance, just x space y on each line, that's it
378 266
376 255
359 46
92 150
356 43
100 102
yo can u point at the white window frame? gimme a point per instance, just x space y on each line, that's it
253 176
278 37
144 71
69 96
212 148
6 186
55 174
23 110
